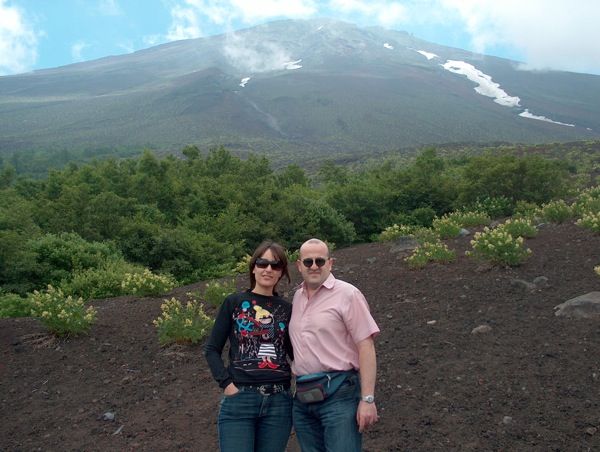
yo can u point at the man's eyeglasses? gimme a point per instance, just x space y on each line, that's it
264 263
308 262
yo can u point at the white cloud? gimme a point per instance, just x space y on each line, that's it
109 8
184 25
556 34
77 50
18 41
255 56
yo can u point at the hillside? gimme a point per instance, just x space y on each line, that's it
531 383
295 91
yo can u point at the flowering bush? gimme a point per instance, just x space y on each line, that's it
519 227
63 316
243 265
395 231
446 227
556 211
469 218
215 292
587 201
102 282
147 283
497 245
590 220
494 206
178 323
597 270
430 252
424 235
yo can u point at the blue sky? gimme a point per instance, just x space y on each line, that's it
544 34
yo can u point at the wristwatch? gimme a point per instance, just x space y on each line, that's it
368 398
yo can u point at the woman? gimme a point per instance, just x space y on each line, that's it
256 409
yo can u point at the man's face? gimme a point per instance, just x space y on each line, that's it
314 275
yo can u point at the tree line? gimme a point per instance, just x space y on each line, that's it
196 217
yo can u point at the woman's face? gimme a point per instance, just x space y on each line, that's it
266 278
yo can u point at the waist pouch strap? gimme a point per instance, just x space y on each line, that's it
317 387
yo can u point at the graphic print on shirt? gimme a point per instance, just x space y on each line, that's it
260 335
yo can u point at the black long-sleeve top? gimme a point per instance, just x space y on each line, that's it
257 329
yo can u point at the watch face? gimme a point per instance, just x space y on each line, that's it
369 399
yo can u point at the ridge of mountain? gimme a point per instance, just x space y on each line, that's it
295 90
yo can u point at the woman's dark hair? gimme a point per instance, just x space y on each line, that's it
278 254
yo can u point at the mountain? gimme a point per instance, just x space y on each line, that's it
295 90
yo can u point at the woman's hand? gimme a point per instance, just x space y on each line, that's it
230 390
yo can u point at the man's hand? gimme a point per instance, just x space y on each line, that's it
230 390
366 415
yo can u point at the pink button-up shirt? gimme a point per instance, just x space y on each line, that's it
326 328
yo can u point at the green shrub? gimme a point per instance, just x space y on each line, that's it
293 256
424 235
498 246
58 256
423 216
13 305
62 315
430 252
556 211
103 282
494 206
181 324
216 291
524 209
395 231
446 227
587 201
470 218
146 283
519 227
243 265
591 221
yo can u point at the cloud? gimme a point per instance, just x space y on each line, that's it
184 25
109 8
18 41
77 50
255 57
556 34
267 9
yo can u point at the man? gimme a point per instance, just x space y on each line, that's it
332 330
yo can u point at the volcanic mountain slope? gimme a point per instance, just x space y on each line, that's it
295 90
530 383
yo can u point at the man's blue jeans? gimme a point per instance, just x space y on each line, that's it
251 422
330 425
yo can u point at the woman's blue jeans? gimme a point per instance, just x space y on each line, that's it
330 425
252 422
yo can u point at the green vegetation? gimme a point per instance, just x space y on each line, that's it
62 315
430 252
111 227
499 247
216 291
182 324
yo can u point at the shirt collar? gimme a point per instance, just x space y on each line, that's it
328 283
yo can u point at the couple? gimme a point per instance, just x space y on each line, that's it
327 333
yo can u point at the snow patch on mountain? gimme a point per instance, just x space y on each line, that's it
427 55
388 46
244 81
526 114
485 85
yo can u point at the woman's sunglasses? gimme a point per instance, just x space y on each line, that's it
264 263
308 262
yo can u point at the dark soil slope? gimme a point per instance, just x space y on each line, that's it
531 383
